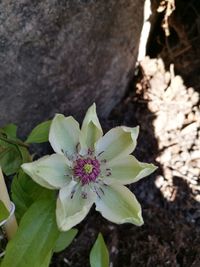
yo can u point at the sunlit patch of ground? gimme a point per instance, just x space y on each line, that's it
176 126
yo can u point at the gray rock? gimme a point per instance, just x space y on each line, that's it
63 55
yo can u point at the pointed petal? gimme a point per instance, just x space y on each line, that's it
49 171
119 205
72 206
64 135
128 170
118 142
91 129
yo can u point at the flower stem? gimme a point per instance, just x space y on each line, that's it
11 224
14 142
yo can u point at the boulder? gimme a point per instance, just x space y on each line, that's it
63 55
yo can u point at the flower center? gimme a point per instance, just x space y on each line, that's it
87 170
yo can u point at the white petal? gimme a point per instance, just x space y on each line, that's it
118 142
119 205
64 135
91 129
49 171
72 207
128 170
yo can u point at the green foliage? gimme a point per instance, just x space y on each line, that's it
38 236
10 130
35 238
99 256
40 133
25 192
10 158
24 153
47 260
4 213
13 152
65 239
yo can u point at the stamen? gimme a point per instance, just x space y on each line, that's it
96 191
77 147
90 151
72 193
108 172
100 153
84 195
86 170
101 190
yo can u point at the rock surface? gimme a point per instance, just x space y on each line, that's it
62 55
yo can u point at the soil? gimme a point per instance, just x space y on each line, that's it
168 113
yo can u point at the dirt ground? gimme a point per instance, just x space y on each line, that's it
166 106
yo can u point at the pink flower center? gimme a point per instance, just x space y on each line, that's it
87 170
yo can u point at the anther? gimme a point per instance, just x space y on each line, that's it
90 151
77 147
72 193
100 153
102 190
84 195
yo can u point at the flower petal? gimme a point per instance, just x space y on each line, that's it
118 142
128 170
119 205
72 206
49 171
91 129
64 135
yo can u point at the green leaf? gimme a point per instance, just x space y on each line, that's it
4 213
25 192
13 152
10 158
25 155
65 239
40 133
47 260
35 238
99 256
10 130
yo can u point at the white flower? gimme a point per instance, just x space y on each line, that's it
91 168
